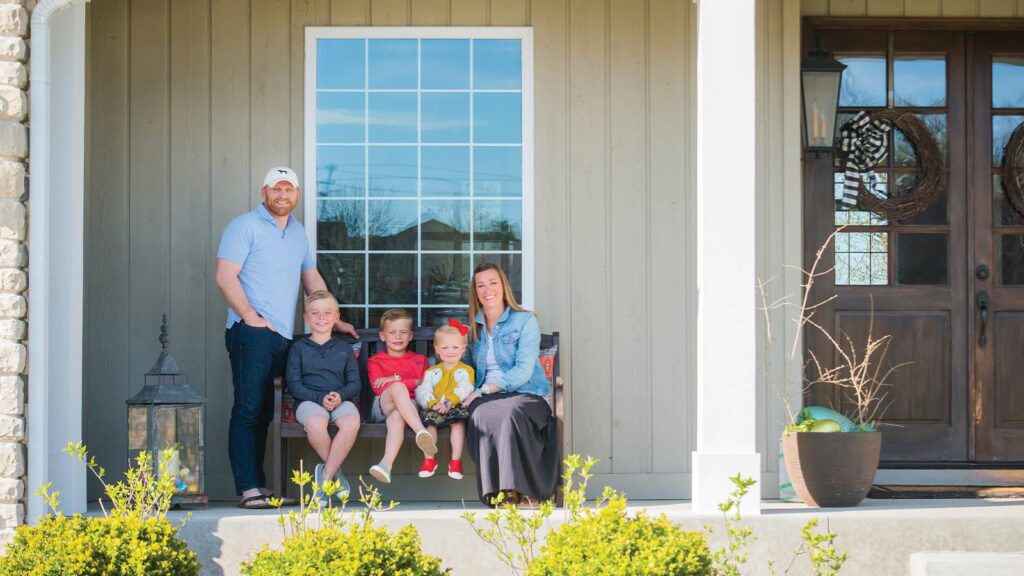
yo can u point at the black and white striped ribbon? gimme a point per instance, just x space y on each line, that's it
863 141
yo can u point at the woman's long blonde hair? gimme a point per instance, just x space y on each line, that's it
474 301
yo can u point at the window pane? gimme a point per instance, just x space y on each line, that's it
339 117
445 225
919 80
345 276
497 225
444 171
355 316
393 279
905 153
497 64
861 258
392 170
340 63
445 117
393 117
1005 213
934 214
392 225
446 278
340 170
852 215
497 118
340 224
1010 259
392 64
863 82
921 258
445 64
512 264
1002 128
441 316
498 171
1008 82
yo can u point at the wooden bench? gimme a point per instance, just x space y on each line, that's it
370 344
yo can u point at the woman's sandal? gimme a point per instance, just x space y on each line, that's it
285 500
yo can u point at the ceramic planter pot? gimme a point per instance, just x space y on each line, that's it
832 470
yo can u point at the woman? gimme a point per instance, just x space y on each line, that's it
512 433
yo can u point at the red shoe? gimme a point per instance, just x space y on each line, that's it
455 469
428 468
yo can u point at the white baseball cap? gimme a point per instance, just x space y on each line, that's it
279 174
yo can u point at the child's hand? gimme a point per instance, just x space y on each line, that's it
442 407
332 400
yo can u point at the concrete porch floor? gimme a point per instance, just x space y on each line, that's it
879 535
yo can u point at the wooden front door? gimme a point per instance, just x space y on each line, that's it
947 284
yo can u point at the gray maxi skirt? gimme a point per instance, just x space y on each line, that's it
513 440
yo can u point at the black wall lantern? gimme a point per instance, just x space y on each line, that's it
820 76
166 419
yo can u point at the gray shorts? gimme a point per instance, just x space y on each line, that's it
308 409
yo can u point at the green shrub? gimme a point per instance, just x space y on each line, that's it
116 546
332 544
608 542
133 538
356 550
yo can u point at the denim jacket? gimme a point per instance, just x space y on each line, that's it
516 338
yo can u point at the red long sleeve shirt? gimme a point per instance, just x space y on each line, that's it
409 367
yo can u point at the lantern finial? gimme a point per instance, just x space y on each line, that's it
164 338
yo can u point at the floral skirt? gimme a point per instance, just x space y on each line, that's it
454 415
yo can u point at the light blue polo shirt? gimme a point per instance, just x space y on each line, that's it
272 262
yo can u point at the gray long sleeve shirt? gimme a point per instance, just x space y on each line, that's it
315 370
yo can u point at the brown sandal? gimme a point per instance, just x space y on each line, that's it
256 502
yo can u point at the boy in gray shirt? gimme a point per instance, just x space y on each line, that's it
322 374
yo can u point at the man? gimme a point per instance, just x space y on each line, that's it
262 258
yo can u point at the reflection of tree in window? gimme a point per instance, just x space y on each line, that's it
340 225
447 282
499 235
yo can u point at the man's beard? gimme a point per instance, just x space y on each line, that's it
279 210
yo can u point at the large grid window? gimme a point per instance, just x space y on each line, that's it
420 141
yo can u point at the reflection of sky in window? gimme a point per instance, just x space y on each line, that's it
393 117
392 64
1008 82
339 117
497 171
497 64
392 170
861 258
444 117
444 64
497 118
1002 128
863 81
497 224
919 81
391 217
340 170
444 170
340 64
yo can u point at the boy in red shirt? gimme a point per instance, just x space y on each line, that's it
394 375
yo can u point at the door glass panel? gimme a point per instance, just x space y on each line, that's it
1008 82
921 258
1005 214
842 118
919 80
1010 259
934 214
1002 128
905 153
846 215
863 81
862 258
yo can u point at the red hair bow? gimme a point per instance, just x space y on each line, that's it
462 328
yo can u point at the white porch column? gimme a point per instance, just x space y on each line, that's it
726 348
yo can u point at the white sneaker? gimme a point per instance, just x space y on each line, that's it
426 443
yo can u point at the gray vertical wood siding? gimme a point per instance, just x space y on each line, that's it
191 100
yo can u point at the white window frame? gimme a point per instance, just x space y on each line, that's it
525 35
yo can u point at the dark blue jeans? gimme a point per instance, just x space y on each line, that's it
257 355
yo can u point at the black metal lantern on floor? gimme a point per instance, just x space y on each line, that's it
166 419
820 78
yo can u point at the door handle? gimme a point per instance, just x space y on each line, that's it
981 301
